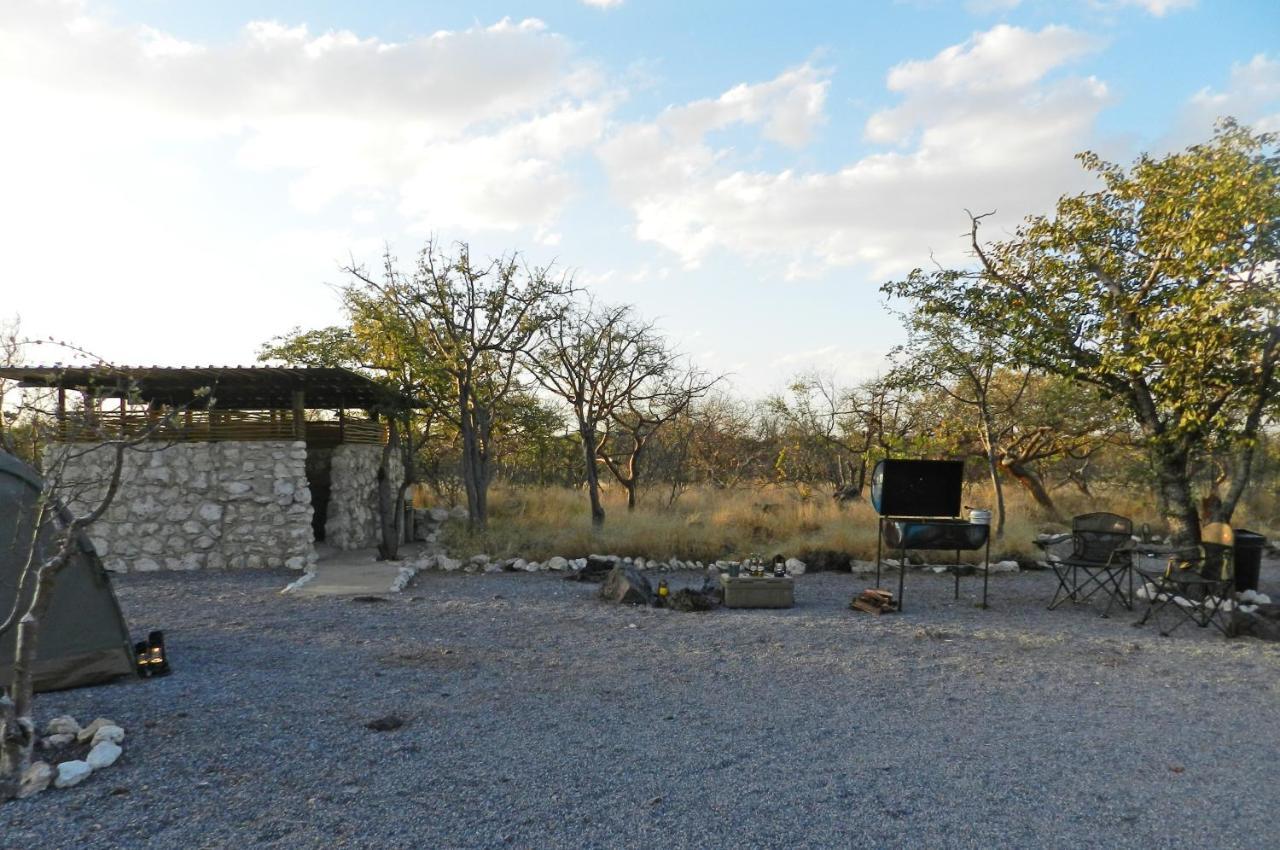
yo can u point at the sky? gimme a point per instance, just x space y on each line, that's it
182 181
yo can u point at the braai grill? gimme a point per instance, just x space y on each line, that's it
919 506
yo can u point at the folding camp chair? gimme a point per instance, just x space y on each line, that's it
1100 561
1197 583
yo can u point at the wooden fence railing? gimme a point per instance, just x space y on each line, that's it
198 426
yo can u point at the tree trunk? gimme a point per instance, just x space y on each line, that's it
388 521
633 475
993 469
1175 497
593 476
1029 480
17 738
477 510
11 748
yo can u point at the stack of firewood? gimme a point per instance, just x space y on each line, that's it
874 601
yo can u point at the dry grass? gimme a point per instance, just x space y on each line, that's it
706 524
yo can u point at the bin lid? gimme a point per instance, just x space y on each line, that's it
1250 538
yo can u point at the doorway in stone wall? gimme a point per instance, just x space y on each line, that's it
319 479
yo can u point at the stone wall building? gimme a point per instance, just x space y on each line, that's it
275 465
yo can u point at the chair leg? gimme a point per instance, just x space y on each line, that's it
1064 592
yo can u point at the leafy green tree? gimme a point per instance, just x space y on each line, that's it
1159 288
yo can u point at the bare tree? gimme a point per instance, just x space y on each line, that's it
462 328
52 538
599 360
965 368
655 404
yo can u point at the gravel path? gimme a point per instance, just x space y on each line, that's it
541 717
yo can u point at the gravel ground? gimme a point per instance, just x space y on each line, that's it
541 717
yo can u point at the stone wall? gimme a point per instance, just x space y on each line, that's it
352 522
189 506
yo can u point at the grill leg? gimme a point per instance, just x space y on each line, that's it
879 547
955 571
902 574
986 570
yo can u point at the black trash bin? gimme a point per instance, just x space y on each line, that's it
1248 554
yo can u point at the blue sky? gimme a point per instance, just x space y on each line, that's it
189 176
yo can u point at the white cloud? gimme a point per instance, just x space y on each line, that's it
789 108
979 126
1159 8
344 115
603 4
1004 58
155 183
1252 95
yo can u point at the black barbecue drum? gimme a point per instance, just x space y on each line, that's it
919 506
924 489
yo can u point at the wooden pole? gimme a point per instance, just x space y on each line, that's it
299 421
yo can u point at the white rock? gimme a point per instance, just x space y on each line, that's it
72 773
63 724
795 567
35 779
306 579
447 564
578 563
458 513
59 740
519 564
403 576
114 734
493 568
532 567
1004 567
439 514
557 563
480 559
103 754
87 733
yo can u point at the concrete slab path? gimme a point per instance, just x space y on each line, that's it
358 572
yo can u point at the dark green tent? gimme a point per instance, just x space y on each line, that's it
84 639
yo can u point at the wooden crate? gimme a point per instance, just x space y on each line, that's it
764 592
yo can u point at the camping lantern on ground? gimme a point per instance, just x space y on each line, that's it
152 660
663 590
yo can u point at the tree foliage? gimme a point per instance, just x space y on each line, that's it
1159 288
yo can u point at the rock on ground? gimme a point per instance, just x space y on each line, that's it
62 725
71 773
625 585
103 754
35 779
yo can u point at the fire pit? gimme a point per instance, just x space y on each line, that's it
919 506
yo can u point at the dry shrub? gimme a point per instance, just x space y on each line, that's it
708 523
